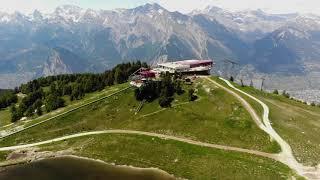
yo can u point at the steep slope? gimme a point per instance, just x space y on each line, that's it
295 45
62 61
237 49
274 53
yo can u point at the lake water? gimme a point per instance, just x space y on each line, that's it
69 168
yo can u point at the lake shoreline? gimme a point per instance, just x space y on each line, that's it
40 156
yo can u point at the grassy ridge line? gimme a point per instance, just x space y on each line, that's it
64 113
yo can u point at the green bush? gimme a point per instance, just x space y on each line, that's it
7 98
276 92
53 102
192 97
285 94
165 102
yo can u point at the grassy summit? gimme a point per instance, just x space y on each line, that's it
216 117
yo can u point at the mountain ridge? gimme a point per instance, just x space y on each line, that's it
103 38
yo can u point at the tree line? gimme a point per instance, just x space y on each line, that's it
163 90
75 86
7 97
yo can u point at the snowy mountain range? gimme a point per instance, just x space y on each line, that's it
250 25
72 39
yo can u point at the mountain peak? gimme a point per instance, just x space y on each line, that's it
154 6
67 9
149 8
37 14
212 9
69 12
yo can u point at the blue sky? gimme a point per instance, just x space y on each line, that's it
275 6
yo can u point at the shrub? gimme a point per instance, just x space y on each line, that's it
39 111
276 92
7 98
165 101
15 114
192 97
178 88
53 102
285 94
29 112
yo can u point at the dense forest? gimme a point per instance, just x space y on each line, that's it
46 93
7 97
75 86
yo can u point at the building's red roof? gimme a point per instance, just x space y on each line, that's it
147 73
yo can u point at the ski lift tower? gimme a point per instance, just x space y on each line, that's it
262 83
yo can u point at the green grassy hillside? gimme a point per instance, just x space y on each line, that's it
5 117
182 160
216 117
69 106
296 122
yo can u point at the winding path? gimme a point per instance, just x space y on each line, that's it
286 156
228 148
246 105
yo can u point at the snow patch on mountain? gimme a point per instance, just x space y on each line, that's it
252 22
290 32
5 19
